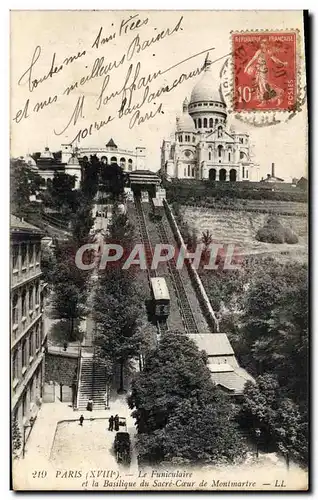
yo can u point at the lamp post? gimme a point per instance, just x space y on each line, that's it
257 435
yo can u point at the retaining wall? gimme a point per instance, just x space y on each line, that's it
196 281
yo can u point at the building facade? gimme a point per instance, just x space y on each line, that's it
70 158
28 337
205 148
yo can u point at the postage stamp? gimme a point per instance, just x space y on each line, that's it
265 70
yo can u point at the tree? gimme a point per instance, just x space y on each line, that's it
116 313
60 194
175 378
278 417
23 183
16 436
70 288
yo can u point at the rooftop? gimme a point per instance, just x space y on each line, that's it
20 225
215 344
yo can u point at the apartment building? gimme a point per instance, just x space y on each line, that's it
28 338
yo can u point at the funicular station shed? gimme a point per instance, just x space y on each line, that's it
144 181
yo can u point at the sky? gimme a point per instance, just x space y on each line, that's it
112 43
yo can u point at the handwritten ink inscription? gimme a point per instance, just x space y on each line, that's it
137 96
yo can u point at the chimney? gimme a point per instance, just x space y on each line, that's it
273 169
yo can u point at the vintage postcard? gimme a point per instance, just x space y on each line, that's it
159 251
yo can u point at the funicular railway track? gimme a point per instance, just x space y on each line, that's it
151 273
184 304
186 312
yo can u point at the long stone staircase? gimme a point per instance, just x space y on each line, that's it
92 376
92 383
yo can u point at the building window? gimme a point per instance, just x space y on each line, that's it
211 123
31 253
37 337
246 174
243 172
31 298
185 171
199 123
130 164
38 252
210 155
241 155
37 294
229 156
24 405
24 251
195 123
15 309
15 257
193 139
205 122
180 138
24 354
15 367
23 297
123 163
193 172
216 121
220 151
113 159
189 173
31 344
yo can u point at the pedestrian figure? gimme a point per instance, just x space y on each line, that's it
81 420
116 422
111 423
89 406
65 346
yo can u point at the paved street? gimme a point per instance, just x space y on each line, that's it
58 442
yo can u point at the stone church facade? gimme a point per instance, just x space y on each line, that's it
205 148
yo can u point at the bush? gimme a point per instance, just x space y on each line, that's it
274 232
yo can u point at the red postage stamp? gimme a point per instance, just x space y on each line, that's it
265 72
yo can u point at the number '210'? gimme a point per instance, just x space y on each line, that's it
39 473
244 93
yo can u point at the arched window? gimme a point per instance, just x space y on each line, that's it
211 123
104 160
189 171
216 121
123 162
199 123
242 154
229 155
243 172
205 122
193 172
220 151
195 123
210 154
130 164
113 159
246 174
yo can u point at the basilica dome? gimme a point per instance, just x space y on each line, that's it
207 88
185 122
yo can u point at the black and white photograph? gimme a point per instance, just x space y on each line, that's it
159 250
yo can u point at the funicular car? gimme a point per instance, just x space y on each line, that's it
160 297
157 208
